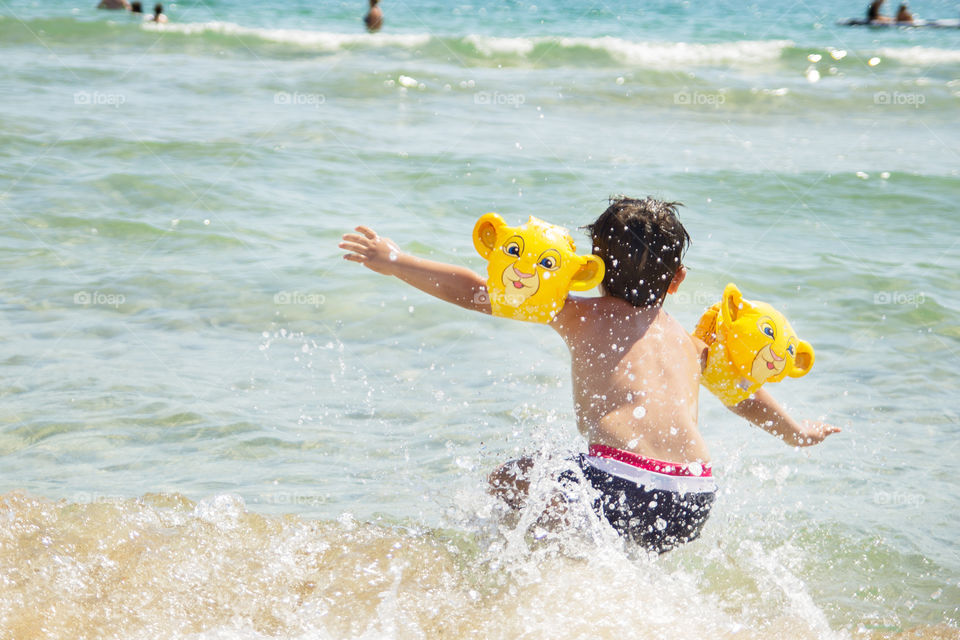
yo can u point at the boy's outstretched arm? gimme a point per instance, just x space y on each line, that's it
765 412
449 282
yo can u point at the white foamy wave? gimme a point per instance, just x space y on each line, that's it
657 54
491 45
653 54
320 40
647 54
921 55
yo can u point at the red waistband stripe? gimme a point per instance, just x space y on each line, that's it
683 469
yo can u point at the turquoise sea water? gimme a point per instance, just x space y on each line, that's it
212 426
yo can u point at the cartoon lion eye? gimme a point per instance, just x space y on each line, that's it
549 260
768 330
513 246
791 350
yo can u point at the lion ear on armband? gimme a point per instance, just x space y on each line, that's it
532 267
802 361
731 303
590 273
485 233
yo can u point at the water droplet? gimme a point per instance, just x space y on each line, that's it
639 412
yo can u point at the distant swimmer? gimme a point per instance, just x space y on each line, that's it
873 12
374 19
904 15
136 7
114 4
158 14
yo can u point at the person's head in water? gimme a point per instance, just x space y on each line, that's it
157 9
136 7
374 17
642 244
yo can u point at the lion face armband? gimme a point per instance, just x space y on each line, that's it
750 344
532 267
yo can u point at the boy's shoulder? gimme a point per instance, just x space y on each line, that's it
583 317
581 308
578 315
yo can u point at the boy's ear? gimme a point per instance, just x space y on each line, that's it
732 303
589 275
678 279
485 233
803 361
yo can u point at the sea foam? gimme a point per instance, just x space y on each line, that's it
320 40
646 54
921 56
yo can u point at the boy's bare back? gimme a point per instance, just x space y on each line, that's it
636 378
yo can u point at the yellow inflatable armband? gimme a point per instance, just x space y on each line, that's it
750 343
531 268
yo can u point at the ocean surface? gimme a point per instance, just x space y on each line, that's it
212 427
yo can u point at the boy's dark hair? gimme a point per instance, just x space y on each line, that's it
642 244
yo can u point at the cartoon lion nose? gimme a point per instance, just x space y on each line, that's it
775 357
521 273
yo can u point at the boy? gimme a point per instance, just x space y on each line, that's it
636 374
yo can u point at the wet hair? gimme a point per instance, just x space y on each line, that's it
157 9
136 7
642 244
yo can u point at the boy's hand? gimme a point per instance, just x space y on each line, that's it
811 433
449 282
765 412
372 251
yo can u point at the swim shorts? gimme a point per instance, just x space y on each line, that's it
656 504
